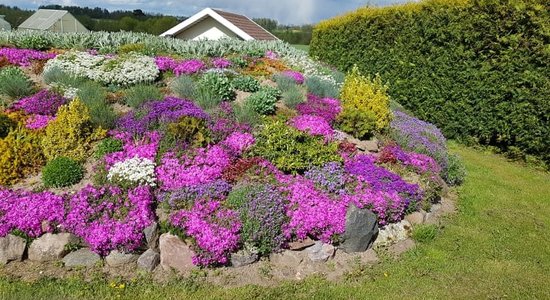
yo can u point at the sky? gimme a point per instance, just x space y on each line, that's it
295 12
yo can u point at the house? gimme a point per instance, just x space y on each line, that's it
214 24
53 20
4 25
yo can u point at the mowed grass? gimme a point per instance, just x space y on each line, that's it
302 47
496 247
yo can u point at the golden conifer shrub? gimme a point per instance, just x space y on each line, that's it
20 155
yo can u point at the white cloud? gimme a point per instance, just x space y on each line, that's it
284 11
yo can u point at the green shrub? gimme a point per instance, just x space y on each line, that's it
424 233
291 150
477 69
219 84
33 41
365 105
284 83
57 75
322 88
189 130
246 84
14 83
206 98
141 93
264 100
293 97
6 125
183 86
456 171
95 97
20 155
239 61
245 113
107 146
62 172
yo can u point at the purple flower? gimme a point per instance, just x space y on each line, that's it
297 76
237 143
271 54
313 125
326 108
145 146
165 63
419 162
41 103
188 67
37 122
24 57
221 63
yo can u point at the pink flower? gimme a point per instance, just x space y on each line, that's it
37 122
238 142
188 67
297 76
313 125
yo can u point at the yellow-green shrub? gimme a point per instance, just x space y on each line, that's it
365 104
71 133
20 155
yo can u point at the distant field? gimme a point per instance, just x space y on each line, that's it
302 47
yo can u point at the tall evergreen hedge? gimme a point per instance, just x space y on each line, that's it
479 69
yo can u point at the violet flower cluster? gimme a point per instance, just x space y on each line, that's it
165 63
221 63
30 213
186 196
38 122
326 108
237 143
296 76
214 229
44 102
108 218
24 57
388 206
188 67
331 177
313 125
152 114
145 147
419 162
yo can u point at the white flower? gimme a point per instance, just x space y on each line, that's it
135 170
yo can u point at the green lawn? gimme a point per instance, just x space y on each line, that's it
302 47
496 247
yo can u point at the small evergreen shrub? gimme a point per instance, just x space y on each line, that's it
219 84
71 133
246 114
291 150
293 97
189 130
62 172
365 105
264 100
183 86
246 84
141 93
322 88
284 83
57 75
107 146
20 155
14 83
206 98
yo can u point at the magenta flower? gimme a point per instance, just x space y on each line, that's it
297 76
327 108
24 57
37 122
313 125
44 102
237 143
165 63
188 67
221 63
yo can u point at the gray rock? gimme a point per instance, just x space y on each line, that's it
152 236
81 258
149 260
415 218
243 258
367 146
369 257
51 247
117 258
401 247
11 248
320 252
175 254
393 233
301 244
361 229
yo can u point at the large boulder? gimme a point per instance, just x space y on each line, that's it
243 258
81 258
361 230
149 260
51 247
11 248
175 254
117 258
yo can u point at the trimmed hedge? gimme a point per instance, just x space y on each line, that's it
478 69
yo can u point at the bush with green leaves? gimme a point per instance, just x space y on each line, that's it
218 83
456 171
479 70
321 87
291 150
184 86
107 146
33 41
136 95
6 125
264 100
293 97
14 83
246 114
189 130
246 84
62 172
94 96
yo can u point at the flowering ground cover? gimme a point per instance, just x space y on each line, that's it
251 173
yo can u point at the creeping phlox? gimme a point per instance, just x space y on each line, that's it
136 170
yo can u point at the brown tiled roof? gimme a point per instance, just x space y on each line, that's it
245 24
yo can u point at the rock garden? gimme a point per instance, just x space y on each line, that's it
144 154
